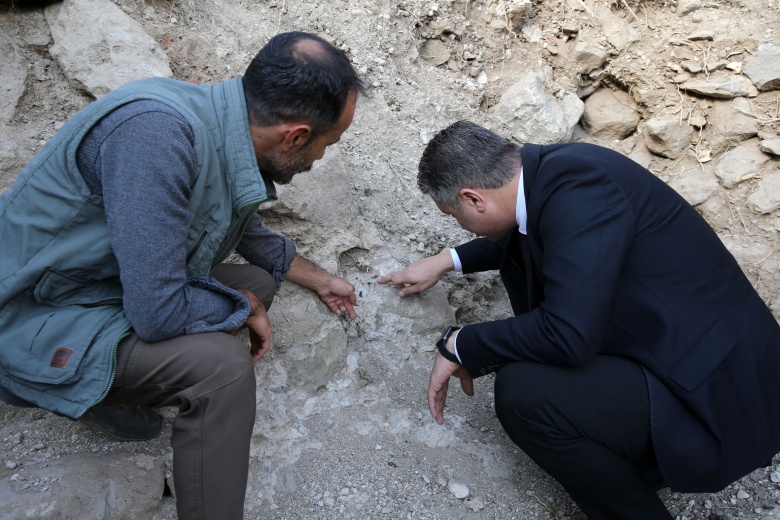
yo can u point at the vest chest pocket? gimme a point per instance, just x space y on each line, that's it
59 289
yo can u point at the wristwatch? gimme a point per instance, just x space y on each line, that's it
442 345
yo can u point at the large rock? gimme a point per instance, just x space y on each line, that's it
610 114
435 52
721 86
770 146
619 33
687 6
314 219
14 75
114 51
529 113
84 486
13 157
730 123
667 136
694 184
309 343
763 68
766 197
740 164
587 54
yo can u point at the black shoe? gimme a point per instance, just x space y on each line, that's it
124 422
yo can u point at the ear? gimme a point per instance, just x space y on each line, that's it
473 199
296 135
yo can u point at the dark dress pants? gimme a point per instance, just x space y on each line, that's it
211 379
589 428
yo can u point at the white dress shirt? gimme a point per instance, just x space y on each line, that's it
521 216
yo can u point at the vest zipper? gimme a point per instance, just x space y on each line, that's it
225 252
126 333
122 336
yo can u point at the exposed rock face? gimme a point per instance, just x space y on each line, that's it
610 114
763 68
114 51
528 113
12 157
84 486
13 74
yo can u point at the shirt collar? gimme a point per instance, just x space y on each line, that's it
520 212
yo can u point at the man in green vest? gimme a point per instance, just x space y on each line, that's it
114 297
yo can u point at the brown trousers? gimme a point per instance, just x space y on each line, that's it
211 378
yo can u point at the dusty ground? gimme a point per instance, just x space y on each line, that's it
359 443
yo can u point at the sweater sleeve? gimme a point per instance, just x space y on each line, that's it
262 247
145 166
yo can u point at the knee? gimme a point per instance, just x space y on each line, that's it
519 392
225 361
263 286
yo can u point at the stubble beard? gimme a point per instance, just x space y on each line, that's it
281 169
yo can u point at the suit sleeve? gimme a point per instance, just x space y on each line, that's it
481 254
586 226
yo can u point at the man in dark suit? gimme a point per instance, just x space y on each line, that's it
639 352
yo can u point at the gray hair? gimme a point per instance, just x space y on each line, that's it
466 155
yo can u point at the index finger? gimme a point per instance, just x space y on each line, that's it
350 309
385 279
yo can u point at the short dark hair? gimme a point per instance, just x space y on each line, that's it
466 155
285 82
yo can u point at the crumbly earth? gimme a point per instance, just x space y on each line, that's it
356 440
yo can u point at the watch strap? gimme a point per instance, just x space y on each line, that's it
442 345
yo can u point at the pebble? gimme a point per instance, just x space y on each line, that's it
458 489
775 477
474 504
706 34
9 464
16 438
742 494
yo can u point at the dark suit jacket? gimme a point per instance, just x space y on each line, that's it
624 266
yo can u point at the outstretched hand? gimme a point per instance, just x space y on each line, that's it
421 274
339 295
441 373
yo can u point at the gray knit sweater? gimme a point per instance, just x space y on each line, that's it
141 159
